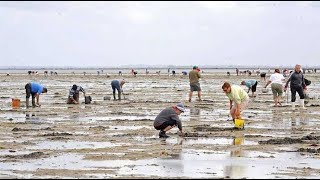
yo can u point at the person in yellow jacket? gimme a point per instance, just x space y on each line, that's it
238 99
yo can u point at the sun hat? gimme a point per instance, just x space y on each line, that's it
181 107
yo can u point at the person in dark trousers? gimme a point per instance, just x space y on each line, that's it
117 85
73 97
297 84
169 118
34 89
251 84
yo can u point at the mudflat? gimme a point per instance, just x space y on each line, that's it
116 139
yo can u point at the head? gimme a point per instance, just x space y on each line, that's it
179 108
297 68
195 67
45 90
74 87
243 83
122 82
277 70
226 87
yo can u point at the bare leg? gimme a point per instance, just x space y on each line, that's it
199 95
190 96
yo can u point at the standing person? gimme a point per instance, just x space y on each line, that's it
169 118
276 81
194 76
263 76
34 89
297 84
251 84
117 84
73 97
238 99
237 71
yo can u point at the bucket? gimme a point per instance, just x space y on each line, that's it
239 123
87 100
15 103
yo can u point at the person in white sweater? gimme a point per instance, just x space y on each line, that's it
276 80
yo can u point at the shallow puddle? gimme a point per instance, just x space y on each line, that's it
188 163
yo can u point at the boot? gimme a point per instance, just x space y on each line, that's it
293 105
27 102
119 95
302 104
162 134
114 96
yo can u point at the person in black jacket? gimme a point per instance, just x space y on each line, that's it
297 84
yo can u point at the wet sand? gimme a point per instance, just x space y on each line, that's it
116 139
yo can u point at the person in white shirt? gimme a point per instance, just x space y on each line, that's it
276 81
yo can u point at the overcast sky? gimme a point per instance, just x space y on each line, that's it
105 33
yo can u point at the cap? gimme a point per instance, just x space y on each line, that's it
181 107
195 67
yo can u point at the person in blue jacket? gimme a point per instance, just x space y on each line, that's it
251 84
34 89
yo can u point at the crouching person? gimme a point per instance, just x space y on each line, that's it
169 118
73 97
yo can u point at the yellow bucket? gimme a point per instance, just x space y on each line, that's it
239 123
15 103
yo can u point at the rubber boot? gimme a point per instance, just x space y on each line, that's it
114 96
302 104
119 95
293 105
27 102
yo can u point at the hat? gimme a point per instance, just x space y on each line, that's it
181 107
195 67
74 87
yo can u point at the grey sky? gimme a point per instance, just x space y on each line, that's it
105 33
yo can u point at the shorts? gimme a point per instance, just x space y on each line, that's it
277 89
195 87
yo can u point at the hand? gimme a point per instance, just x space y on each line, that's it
305 90
237 113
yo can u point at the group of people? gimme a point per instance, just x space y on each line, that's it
34 90
169 117
238 97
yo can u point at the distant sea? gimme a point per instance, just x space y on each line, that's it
139 69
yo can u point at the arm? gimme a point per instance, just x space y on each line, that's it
289 79
37 99
304 83
267 84
237 113
231 104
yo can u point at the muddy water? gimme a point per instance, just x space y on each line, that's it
116 139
